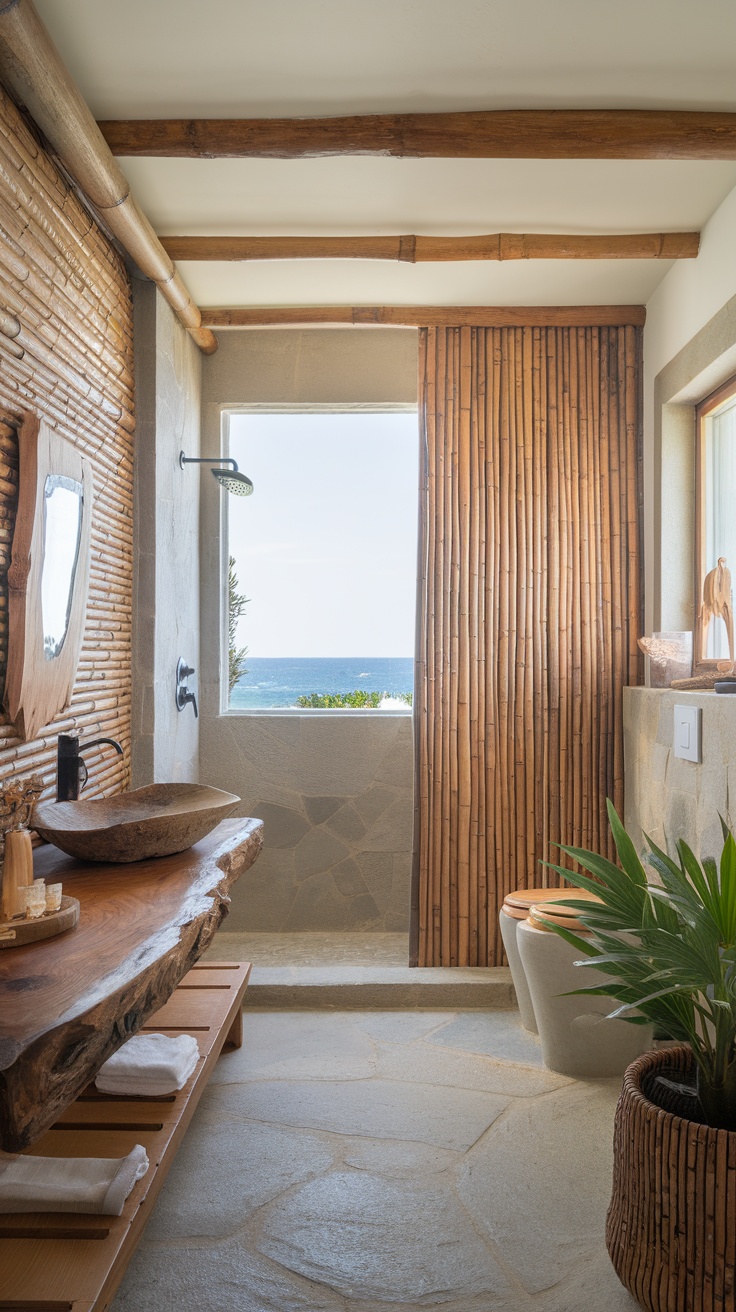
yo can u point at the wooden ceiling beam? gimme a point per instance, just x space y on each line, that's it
484 134
424 316
419 250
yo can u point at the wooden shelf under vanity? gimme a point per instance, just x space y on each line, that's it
68 1003
70 1262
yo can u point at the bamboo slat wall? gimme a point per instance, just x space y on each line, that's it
529 612
66 353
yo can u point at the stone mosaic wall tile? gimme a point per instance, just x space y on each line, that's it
320 809
348 878
318 851
284 826
347 824
336 795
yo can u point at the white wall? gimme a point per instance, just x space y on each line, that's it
686 301
165 742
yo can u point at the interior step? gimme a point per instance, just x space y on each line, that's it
357 972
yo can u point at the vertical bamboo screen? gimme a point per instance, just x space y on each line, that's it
66 353
529 614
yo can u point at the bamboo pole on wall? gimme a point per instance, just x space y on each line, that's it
530 610
412 249
80 379
31 66
421 316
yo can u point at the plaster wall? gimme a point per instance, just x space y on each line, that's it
689 349
335 790
166 577
668 798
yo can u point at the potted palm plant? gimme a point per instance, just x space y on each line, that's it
667 945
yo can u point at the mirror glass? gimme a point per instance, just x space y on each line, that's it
63 502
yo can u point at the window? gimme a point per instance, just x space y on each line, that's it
324 551
715 530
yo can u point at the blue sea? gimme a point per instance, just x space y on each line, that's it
278 681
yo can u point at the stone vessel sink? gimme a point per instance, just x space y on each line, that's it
153 821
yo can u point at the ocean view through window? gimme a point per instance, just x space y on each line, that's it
322 586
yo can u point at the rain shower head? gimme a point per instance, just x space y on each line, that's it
231 479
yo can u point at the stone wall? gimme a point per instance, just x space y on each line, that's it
666 797
335 794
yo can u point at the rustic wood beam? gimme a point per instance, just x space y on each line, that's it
418 250
423 316
31 66
483 134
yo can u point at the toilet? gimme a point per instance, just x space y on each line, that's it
577 1040
515 908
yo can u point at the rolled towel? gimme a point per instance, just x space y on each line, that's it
150 1064
99 1185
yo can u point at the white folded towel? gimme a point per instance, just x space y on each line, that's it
99 1185
150 1064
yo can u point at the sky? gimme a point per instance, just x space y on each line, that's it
325 548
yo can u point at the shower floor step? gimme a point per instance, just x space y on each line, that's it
356 972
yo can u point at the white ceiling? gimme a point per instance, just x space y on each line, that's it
176 58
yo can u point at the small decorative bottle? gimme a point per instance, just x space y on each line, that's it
17 800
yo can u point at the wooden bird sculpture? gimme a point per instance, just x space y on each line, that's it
717 603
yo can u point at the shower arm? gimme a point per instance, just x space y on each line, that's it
207 460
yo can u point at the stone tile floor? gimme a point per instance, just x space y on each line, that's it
313 949
385 1162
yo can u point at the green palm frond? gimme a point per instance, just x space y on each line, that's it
665 940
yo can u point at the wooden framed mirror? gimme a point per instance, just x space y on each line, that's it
48 577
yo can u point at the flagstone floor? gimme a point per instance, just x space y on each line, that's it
385 1162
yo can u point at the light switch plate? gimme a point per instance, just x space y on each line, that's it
687 732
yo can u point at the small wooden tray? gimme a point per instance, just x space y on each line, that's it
16 933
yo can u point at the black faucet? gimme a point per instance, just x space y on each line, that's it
70 765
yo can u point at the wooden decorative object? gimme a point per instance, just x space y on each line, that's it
31 65
67 1005
480 134
717 604
529 611
149 822
52 1262
671 1228
426 316
418 250
17 933
704 682
17 798
40 684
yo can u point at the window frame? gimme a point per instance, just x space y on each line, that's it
703 411
226 411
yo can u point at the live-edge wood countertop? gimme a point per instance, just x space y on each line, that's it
66 1004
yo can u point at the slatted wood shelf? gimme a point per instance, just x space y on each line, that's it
57 1262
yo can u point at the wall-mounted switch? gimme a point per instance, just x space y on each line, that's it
687 732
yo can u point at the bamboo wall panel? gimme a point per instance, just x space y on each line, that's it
66 354
530 607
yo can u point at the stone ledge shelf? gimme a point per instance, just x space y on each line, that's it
68 1003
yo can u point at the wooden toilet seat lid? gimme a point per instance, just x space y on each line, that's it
560 915
518 904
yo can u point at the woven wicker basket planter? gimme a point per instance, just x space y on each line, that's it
671 1229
